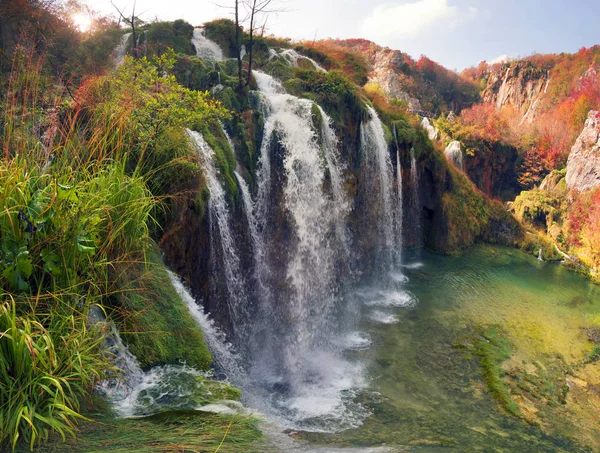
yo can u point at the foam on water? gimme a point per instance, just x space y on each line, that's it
382 317
375 297
357 341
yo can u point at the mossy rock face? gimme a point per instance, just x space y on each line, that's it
154 322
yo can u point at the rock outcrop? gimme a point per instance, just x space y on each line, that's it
583 165
385 72
519 84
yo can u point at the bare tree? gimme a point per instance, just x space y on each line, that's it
133 22
256 9
238 44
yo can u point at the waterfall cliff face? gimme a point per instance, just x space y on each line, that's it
285 279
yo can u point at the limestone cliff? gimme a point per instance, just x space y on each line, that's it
385 71
519 84
583 165
423 84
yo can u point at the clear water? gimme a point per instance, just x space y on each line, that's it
423 392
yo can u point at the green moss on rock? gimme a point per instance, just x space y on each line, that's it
154 322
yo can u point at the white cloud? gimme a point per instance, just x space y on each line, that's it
415 18
501 59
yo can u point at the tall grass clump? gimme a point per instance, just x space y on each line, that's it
43 374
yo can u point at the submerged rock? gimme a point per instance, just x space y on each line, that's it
583 165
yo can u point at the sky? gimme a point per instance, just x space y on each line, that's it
455 33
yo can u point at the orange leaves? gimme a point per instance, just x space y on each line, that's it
486 122
584 221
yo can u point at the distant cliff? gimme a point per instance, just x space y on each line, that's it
519 84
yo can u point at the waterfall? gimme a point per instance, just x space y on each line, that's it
432 132
222 240
119 387
341 203
312 215
454 154
205 48
258 246
292 57
294 349
540 257
121 50
380 190
399 207
415 202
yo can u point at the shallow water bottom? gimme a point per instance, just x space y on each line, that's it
425 387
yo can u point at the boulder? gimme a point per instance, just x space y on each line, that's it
583 165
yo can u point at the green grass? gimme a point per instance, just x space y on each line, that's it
187 431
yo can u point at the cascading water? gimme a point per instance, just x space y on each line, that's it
432 132
380 192
121 50
341 203
454 154
298 373
292 57
223 250
226 360
205 48
133 392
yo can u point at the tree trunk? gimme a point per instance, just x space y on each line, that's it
238 45
251 43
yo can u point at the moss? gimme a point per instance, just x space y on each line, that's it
224 157
153 320
222 31
539 208
492 348
176 35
